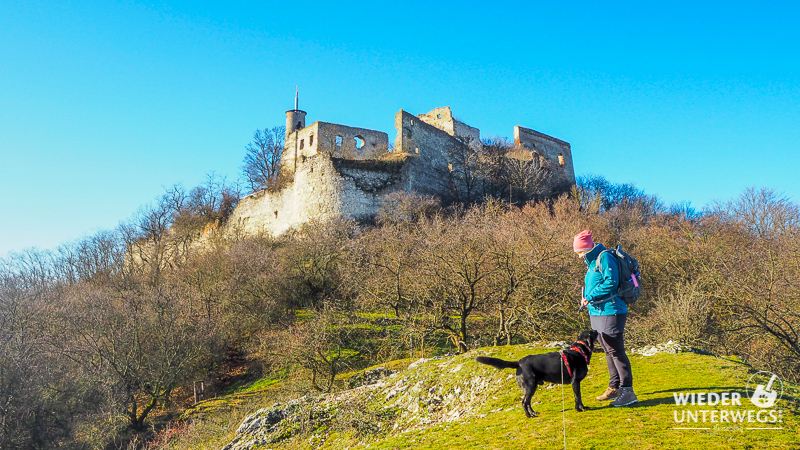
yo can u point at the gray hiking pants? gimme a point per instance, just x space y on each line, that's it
611 334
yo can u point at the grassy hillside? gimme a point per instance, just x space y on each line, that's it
454 402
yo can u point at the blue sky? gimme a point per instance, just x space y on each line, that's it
105 104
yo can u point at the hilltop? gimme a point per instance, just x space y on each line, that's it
334 298
453 402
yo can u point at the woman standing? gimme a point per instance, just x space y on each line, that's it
607 313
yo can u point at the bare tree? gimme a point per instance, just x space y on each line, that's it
595 193
92 259
520 254
407 208
312 256
214 197
456 270
141 343
326 345
149 248
758 273
37 398
263 158
511 173
497 169
464 172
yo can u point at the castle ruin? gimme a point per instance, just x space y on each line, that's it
341 171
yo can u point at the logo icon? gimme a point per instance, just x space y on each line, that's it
764 396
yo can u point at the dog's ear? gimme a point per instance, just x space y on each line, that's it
593 334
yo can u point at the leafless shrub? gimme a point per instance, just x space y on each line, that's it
324 345
682 316
401 207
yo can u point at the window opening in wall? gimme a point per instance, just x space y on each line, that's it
359 141
561 159
416 150
438 116
302 143
276 214
412 121
311 139
299 125
450 167
338 141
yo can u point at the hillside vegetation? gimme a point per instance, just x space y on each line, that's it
454 402
101 340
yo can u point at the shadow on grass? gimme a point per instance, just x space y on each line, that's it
789 397
640 404
704 389
653 402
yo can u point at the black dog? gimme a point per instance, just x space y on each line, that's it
569 365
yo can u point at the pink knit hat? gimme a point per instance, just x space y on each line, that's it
583 241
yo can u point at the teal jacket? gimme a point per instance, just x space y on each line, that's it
601 283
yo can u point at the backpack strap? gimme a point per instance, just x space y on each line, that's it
597 269
597 261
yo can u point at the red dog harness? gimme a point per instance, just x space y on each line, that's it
575 348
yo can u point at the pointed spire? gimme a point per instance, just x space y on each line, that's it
296 93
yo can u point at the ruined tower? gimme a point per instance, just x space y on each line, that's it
295 121
295 118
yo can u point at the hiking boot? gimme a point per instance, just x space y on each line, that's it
626 397
609 394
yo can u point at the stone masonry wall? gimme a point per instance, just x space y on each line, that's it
554 154
313 194
339 141
427 146
323 188
299 145
442 118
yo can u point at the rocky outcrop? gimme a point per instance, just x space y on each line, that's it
429 392
669 347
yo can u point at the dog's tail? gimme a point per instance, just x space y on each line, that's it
499 363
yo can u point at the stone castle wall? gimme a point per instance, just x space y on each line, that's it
552 153
427 147
323 188
442 118
342 171
339 141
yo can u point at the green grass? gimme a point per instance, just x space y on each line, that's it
248 384
648 424
397 365
493 416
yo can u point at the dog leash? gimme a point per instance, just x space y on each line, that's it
566 363
563 405
569 371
